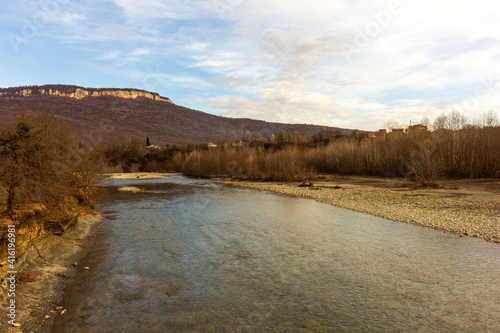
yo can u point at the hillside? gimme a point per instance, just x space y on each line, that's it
98 116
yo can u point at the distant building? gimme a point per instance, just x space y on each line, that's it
400 131
417 128
212 145
397 131
377 134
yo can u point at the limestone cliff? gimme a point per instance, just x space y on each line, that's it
79 92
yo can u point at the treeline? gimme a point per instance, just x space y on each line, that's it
456 147
133 156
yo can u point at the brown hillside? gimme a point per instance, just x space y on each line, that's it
103 119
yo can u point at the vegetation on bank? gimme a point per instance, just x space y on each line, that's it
47 179
453 147
42 165
46 182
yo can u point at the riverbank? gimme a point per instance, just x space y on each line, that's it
139 175
464 207
43 273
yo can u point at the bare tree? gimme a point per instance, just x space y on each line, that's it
423 163
39 164
21 156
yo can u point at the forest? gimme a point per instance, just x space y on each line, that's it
453 146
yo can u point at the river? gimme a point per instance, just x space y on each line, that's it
199 256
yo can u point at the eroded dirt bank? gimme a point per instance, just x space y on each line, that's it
43 273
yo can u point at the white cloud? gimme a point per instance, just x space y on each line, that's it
431 53
145 11
152 9
232 82
154 79
115 32
217 61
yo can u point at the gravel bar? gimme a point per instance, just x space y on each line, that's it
465 212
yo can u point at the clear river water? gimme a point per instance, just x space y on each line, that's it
190 255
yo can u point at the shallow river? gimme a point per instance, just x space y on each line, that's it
198 256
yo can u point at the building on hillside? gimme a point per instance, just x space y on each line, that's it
212 145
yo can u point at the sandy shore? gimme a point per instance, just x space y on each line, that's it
468 208
44 271
139 175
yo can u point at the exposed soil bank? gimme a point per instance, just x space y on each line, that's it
43 273
465 207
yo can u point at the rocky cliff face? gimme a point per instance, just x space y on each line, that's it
80 93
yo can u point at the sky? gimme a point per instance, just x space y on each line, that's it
344 63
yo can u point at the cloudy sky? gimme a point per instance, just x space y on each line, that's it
346 63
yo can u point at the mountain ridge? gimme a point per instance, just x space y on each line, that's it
79 92
107 118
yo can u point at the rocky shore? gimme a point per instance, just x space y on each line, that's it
467 208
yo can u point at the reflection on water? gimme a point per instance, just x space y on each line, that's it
196 256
